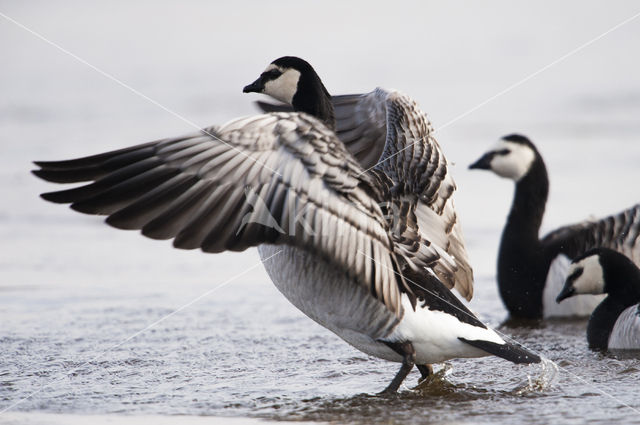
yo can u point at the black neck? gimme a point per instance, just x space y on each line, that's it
529 201
622 279
603 319
313 98
522 264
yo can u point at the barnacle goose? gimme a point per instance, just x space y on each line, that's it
531 271
370 255
615 323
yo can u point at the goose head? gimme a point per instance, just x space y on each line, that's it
584 276
293 81
602 271
512 157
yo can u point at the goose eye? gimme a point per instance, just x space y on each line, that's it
271 74
576 274
502 152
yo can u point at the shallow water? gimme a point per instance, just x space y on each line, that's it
79 301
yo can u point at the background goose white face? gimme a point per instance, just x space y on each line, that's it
281 83
586 276
511 160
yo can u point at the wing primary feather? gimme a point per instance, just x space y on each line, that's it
70 176
90 161
89 191
169 223
196 229
124 193
151 205
220 228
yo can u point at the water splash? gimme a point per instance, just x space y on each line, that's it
540 383
437 384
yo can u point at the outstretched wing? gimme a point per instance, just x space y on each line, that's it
414 162
279 178
376 126
620 232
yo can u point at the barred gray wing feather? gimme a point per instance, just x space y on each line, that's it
216 190
620 232
361 123
414 162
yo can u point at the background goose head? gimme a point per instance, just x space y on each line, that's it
512 157
293 81
600 271
584 276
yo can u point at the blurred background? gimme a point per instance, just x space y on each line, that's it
71 287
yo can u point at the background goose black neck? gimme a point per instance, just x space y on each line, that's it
602 321
522 263
313 98
604 317
621 276
622 283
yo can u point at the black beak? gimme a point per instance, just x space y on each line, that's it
566 292
484 163
255 87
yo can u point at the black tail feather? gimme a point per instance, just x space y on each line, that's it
511 352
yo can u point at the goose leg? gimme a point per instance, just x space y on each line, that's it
426 370
408 361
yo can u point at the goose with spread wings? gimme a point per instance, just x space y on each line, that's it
368 248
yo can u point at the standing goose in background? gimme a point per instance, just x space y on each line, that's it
615 323
344 245
531 271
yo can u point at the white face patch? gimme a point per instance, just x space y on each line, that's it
285 86
591 281
513 164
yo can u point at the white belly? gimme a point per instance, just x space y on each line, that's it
329 297
434 334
